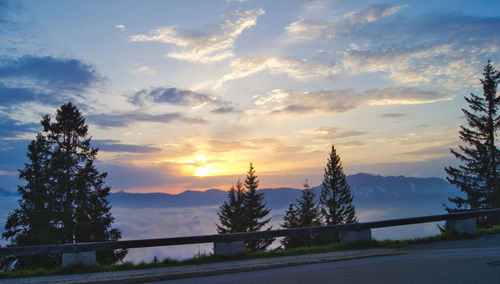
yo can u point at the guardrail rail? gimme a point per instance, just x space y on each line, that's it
231 243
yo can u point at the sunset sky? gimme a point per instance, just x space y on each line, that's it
184 94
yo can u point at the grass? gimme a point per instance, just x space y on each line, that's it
209 258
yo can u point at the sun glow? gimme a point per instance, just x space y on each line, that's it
202 172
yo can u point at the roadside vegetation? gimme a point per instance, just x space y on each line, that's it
210 258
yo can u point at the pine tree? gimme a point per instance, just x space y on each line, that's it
336 199
291 220
231 212
303 213
255 211
32 223
65 198
244 211
478 175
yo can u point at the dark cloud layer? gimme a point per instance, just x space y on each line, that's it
171 96
124 119
393 115
224 110
12 96
46 80
108 145
10 128
50 72
175 96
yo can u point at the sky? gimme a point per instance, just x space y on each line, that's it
183 95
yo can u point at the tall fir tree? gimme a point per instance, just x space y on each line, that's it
32 223
65 197
478 175
231 212
256 211
303 213
336 199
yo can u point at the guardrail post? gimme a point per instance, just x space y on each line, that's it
229 248
462 226
355 236
73 258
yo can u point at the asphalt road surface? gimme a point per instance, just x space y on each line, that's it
468 261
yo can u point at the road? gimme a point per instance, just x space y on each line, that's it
466 261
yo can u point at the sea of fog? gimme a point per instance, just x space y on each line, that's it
190 221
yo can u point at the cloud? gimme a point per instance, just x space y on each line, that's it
274 151
11 128
126 175
303 29
165 222
335 101
298 69
120 27
143 70
12 96
401 96
436 50
49 72
331 133
157 177
181 97
109 145
44 80
393 115
224 145
172 96
306 30
372 13
444 65
225 110
433 151
442 50
8 173
207 45
351 144
127 118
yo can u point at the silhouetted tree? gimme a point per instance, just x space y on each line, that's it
32 223
478 175
244 211
303 213
64 199
291 220
255 211
336 199
231 212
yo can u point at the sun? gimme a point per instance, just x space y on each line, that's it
202 172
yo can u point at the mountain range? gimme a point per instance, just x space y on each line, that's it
367 189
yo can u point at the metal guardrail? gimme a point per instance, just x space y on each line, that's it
221 238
